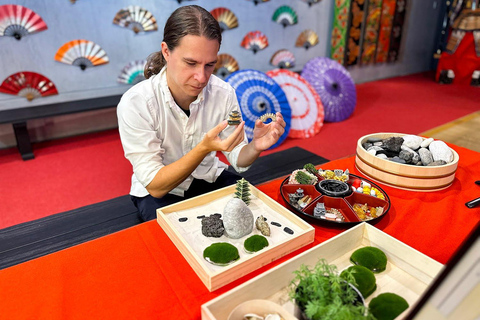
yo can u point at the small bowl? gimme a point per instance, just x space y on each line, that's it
334 188
259 307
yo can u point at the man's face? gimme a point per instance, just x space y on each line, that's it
189 66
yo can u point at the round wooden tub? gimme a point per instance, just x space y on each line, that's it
404 176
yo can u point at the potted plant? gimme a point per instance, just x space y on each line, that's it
320 294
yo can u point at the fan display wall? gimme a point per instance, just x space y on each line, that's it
93 20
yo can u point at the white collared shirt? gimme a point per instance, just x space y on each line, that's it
155 131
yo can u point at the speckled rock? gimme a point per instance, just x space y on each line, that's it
437 163
406 155
426 143
425 156
212 226
393 144
237 219
412 141
440 151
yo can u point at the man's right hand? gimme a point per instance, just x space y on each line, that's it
212 142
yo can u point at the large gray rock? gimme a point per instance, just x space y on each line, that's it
412 141
237 219
440 151
425 156
393 144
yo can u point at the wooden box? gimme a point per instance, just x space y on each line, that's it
404 176
408 272
188 238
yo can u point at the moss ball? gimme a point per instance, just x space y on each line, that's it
255 243
221 253
365 279
387 306
371 258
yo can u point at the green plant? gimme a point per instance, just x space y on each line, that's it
310 168
243 191
304 178
322 294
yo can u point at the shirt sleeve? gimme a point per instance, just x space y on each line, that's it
141 144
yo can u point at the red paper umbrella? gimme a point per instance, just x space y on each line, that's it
27 84
307 108
17 21
255 41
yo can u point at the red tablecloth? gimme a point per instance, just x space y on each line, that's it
138 273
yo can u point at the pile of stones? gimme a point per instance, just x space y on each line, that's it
410 149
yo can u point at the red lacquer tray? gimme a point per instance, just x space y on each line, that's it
343 204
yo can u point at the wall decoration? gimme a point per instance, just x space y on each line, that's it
73 1
397 28
307 38
255 41
357 11
82 53
180 1
339 31
257 95
334 85
386 25
283 59
285 15
226 18
132 73
258 1
18 21
307 108
310 2
226 64
136 18
27 84
372 26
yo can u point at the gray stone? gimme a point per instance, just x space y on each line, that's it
406 148
378 144
440 151
382 156
398 160
406 155
426 143
425 156
416 157
373 140
412 141
393 143
237 219
366 145
437 163
376 148
212 226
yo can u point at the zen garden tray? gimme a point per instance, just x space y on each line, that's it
182 223
408 274
342 207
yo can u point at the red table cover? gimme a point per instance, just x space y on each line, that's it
138 273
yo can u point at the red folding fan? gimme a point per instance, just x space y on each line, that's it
17 21
27 84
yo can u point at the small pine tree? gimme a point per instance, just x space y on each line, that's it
243 191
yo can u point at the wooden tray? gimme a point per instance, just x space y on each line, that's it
408 274
188 238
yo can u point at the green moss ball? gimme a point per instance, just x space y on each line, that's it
371 258
365 279
221 253
255 243
387 306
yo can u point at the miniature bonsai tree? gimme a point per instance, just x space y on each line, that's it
243 191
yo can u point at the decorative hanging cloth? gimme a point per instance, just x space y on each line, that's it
386 24
257 95
357 13
372 26
307 108
27 84
334 85
339 31
397 28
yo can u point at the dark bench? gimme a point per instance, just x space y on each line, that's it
19 117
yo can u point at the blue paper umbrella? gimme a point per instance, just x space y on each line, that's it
334 85
257 95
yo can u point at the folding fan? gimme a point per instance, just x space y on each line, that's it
17 21
257 95
310 2
307 108
27 84
285 15
283 59
226 64
73 1
180 1
136 18
226 18
255 41
308 38
82 53
132 73
258 1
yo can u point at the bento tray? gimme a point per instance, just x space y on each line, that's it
408 274
188 238
342 204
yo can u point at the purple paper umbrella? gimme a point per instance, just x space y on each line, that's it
334 85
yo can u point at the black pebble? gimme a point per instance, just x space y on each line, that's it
276 224
201 217
183 219
288 230
217 215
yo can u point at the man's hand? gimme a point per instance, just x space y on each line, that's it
212 142
266 135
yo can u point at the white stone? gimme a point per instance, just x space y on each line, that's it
426 142
412 141
382 156
372 151
440 151
237 219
